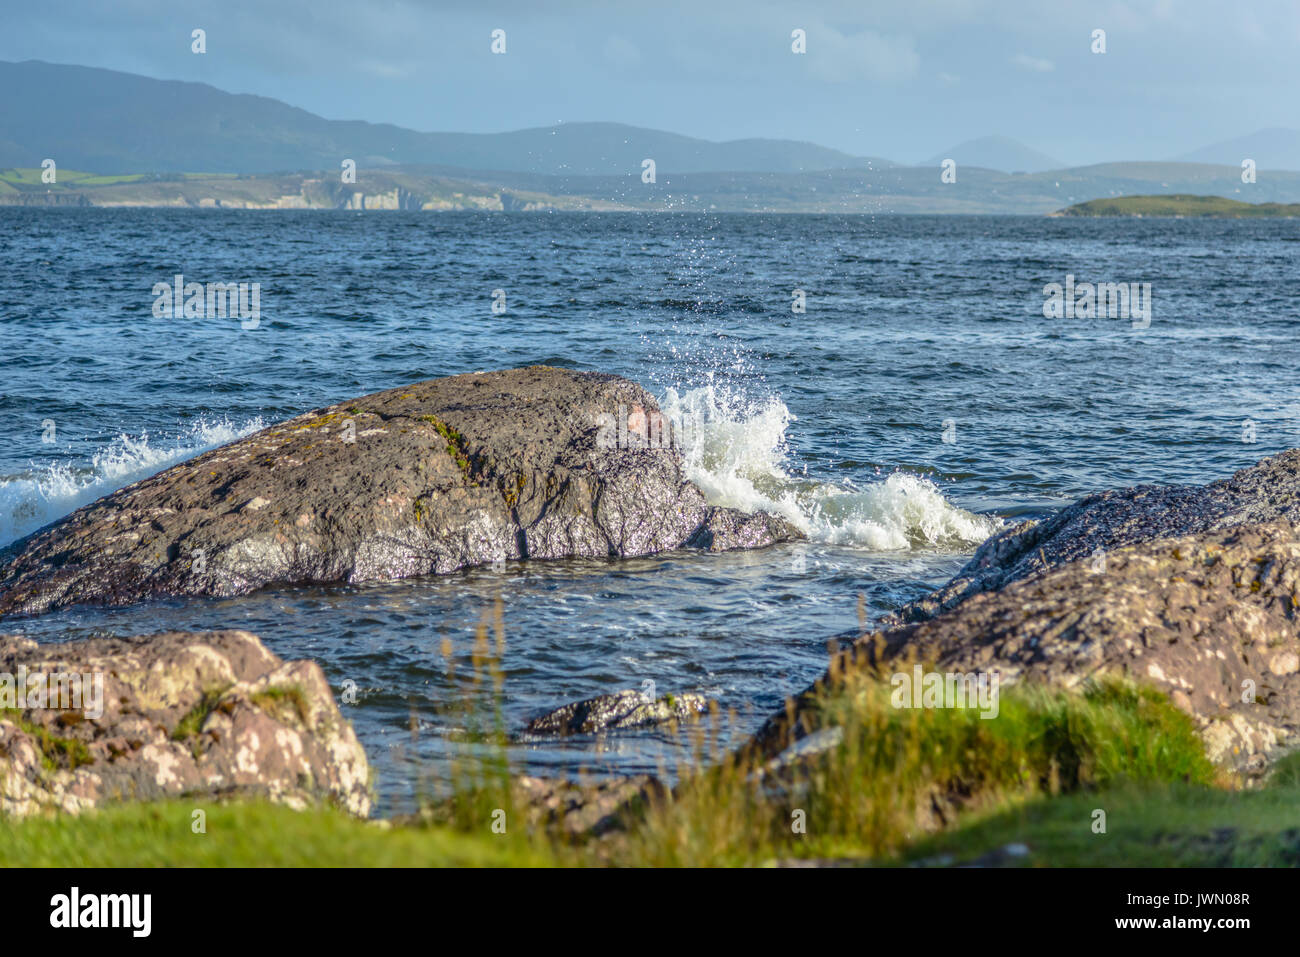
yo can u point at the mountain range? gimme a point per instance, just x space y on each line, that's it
111 122
118 124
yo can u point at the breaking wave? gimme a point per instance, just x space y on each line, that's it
33 499
736 452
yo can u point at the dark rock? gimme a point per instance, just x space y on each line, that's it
1100 523
729 528
617 711
202 715
425 479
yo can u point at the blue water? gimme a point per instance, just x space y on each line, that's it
835 417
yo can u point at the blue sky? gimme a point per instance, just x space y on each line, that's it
904 79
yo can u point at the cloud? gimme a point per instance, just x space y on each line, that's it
1032 63
841 58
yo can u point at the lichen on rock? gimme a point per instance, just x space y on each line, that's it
206 715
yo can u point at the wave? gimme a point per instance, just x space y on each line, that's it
736 451
32 500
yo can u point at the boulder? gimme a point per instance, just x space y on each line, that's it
425 479
200 716
619 710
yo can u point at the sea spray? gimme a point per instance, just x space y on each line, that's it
736 450
33 499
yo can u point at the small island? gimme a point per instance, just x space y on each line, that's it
1179 205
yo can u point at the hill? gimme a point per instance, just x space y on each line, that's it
1182 205
112 122
1271 149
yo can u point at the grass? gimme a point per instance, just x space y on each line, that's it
897 786
1151 826
1180 204
247 835
274 698
31 177
1169 826
187 729
56 752
898 773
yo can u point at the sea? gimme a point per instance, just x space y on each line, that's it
893 385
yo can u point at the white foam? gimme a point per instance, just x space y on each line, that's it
736 451
34 499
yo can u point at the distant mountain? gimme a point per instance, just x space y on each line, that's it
132 138
1274 148
898 189
111 122
999 153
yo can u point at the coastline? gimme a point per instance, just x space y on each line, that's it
1068 611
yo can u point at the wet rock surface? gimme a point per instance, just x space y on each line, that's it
1195 592
617 711
1099 523
203 716
423 479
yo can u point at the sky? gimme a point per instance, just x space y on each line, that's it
903 80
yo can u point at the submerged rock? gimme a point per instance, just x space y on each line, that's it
1195 592
617 711
197 715
424 479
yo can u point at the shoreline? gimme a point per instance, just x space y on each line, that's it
1058 608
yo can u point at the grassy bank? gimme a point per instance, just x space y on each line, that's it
934 786
1181 204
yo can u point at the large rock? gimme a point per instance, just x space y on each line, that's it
196 715
1193 591
1099 523
425 479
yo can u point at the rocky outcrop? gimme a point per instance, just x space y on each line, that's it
425 479
200 716
1195 592
1100 523
620 710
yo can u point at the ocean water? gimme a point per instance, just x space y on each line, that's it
920 401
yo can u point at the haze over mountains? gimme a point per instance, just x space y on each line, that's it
1274 148
109 122
997 152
